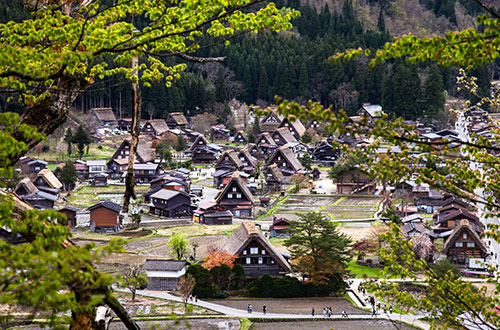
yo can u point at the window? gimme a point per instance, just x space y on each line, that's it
470 244
464 235
459 244
244 252
272 261
234 189
248 261
37 168
151 172
284 164
238 195
229 195
254 250
260 260
263 251
286 124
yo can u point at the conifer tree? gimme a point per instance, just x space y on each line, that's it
433 87
220 87
68 138
68 175
303 80
263 89
381 21
82 139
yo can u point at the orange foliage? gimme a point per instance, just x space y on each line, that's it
218 258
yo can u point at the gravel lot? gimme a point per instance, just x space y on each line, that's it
337 325
293 305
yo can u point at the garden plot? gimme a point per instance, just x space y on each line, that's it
145 243
360 201
310 200
337 324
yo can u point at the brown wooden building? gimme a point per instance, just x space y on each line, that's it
176 120
296 128
236 197
255 253
105 216
70 213
464 243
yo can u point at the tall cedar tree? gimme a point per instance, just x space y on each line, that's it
220 87
68 138
81 139
318 250
68 175
433 86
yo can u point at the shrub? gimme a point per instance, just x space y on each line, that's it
45 148
220 294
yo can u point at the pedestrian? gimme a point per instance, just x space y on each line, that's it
329 312
344 313
264 309
324 312
312 312
196 298
372 301
390 309
374 312
249 308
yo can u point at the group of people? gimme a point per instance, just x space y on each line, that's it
250 309
327 311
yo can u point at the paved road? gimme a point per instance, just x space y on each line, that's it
234 312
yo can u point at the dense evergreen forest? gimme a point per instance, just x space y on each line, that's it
293 64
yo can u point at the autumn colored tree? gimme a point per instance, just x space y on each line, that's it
218 258
318 250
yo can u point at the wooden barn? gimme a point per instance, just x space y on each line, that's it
105 216
164 274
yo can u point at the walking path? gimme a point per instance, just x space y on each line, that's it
234 312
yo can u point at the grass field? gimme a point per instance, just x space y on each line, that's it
359 271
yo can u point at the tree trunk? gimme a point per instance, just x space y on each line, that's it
48 114
136 117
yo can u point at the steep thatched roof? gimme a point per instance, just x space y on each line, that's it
289 156
267 138
297 126
178 117
247 232
144 152
159 125
276 172
246 154
104 114
200 140
464 225
233 158
49 178
236 178
285 134
27 185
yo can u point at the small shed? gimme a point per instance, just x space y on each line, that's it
70 213
279 228
218 218
164 274
105 216
316 173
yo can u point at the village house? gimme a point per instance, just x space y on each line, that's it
464 243
270 122
250 163
255 253
296 128
324 153
103 116
282 136
105 216
240 138
236 197
40 200
288 164
298 148
70 213
203 152
95 167
46 179
31 166
315 173
266 144
99 180
81 169
229 161
25 187
355 182
144 153
125 124
371 112
154 127
279 228
176 120
274 178
449 217
164 274
220 134
209 213
170 203
144 173
426 199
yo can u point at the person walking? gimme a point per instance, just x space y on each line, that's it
390 309
312 312
374 312
324 312
344 313
264 309
249 308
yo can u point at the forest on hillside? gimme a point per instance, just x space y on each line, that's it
295 65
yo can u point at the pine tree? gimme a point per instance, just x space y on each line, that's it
68 175
263 89
220 87
381 21
303 80
82 139
68 139
433 87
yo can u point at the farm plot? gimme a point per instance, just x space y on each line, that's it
145 243
337 324
360 201
310 200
